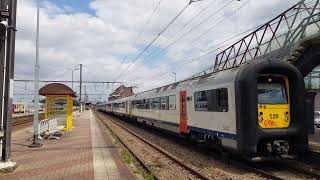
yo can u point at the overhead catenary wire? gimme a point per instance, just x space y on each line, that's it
175 33
158 35
215 25
185 34
142 31
210 52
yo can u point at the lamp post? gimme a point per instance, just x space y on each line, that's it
75 69
35 142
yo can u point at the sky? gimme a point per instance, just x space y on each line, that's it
108 36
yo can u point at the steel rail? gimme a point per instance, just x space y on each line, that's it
173 158
18 123
303 170
245 166
227 160
139 159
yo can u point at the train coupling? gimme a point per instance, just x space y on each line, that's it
276 150
279 148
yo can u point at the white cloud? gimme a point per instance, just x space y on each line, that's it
102 40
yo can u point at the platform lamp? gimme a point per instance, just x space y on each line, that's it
36 134
72 69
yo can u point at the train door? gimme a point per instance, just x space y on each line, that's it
183 112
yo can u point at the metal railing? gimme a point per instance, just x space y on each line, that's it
283 32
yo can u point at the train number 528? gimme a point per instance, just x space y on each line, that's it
274 116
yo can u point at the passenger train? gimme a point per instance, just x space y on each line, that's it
255 110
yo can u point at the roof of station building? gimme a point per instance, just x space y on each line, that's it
56 89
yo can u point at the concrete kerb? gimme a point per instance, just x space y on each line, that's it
8 166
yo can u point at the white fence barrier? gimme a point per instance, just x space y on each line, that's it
50 126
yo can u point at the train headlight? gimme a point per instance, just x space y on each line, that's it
260 118
286 115
269 80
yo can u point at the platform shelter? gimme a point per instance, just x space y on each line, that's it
58 103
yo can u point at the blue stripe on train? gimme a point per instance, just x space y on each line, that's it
199 130
214 133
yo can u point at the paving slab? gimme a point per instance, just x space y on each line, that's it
85 152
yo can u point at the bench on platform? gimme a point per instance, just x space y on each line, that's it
50 127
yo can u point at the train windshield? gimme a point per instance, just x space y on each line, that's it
272 93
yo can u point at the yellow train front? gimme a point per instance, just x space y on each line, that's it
273 102
271 116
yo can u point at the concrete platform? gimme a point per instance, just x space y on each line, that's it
85 152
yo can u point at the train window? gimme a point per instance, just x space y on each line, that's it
156 103
201 102
135 104
147 104
272 93
172 102
211 100
272 90
151 103
165 103
223 99
140 105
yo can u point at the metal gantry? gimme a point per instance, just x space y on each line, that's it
283 32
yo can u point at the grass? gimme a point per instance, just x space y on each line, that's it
149 177
129 159
112 137
126 156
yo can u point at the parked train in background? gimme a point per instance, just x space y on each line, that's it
22 107
19 107
253 110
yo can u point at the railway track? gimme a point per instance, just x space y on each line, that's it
165 160
270 171
274 170
287 170
21 122
313 157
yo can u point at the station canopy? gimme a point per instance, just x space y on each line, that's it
56 89
59 104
